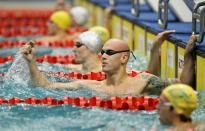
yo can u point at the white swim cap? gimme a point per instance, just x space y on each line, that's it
91 40
80 15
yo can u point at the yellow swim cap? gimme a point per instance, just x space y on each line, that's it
182 97
102 32
61 18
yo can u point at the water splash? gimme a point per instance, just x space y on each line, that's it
18 72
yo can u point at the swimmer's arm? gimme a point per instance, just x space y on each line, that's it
170 81
187 75
89 84
71 85
38 79
154 61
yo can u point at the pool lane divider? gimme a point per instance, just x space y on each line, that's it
66 59
42 30
115 103
61 59
99 76
55 44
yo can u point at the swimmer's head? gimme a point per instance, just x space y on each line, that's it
177 101
80 15
87 45
115 55
102 32
61 19
182 97
91 40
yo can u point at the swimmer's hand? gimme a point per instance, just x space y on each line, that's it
190 44
28 50
163 35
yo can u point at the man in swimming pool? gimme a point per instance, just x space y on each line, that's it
177 102
61 20
86 50
115 55
57 26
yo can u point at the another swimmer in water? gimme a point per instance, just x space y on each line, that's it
177 102
61 21
57 26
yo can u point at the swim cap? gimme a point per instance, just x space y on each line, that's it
182 97
61 18
102 32
80 15
91 40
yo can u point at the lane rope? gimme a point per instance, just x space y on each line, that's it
115 103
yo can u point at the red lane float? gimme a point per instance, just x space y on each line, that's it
62 44
25 13
99 76
67 59
90 76
75 75
12 32
23 23
32 30
114 103
73 30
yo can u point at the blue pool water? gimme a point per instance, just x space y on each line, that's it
23 117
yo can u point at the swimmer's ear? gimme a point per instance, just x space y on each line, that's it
124 58
171 108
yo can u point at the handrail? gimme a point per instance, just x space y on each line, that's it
163 13
112 2
135 8
198 14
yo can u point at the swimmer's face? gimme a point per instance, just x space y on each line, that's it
112 57
165 111
52 28
81 52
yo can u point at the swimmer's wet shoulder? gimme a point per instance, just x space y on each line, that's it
154 85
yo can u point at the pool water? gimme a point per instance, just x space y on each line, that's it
23 117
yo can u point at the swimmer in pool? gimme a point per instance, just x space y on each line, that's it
57 25
115 55
177 102
60 21
87 57
86 50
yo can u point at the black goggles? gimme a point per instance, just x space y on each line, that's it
112 52
78 44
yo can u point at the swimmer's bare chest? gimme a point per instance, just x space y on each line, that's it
130 87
